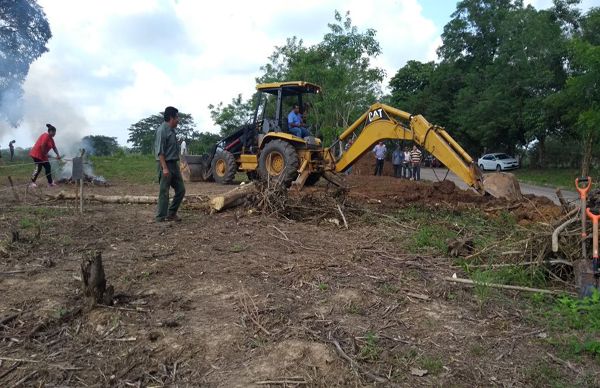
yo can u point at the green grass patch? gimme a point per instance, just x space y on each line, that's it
131 168
582 314
573 324
431 238
26 223
432 364
323 286
369 351
543 374
552 177
516 276
437 226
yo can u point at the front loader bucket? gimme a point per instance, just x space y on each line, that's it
502 185
195 168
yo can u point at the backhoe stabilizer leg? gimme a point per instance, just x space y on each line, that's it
304 172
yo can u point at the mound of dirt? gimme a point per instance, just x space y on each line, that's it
366 166
393 192
403 192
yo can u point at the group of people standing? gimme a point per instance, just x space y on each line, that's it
407 164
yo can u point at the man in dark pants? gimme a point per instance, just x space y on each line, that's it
11 147
166 151
379 152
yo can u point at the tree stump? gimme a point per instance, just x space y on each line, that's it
94 280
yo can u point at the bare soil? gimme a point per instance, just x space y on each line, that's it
237 299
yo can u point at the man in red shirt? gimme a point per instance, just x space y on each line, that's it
39 154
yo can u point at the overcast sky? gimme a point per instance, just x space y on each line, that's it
114 62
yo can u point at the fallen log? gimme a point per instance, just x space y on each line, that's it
231 198
141 199
135 199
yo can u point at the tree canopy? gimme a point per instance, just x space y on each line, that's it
142 133
340 64
24 32
100 145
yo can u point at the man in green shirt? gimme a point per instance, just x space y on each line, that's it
166 151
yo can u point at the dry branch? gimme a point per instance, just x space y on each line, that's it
503 286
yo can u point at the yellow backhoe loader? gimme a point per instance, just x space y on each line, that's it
265 149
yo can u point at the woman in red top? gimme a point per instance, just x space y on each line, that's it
39 154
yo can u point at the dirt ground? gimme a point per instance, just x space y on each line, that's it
238 299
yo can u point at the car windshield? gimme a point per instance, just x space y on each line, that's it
502 156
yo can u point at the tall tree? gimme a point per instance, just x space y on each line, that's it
24 32
231 116
408 84
340 63
580 99
510 59
142 133
202 142
100 145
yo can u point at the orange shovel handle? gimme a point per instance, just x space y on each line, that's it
594 219
583 191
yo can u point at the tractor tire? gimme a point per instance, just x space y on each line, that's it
278 163
223 167
312 179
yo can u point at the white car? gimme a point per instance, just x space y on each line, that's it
498 162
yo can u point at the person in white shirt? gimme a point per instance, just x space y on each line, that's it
183 147
379 150
407 173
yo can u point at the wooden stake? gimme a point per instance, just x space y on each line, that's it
13 189
81 185
81 196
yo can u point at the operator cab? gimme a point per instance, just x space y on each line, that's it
276 100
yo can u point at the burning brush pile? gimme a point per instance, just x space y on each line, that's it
66 174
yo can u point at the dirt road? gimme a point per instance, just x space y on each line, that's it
549 192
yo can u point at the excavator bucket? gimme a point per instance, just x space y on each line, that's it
502 185
195 168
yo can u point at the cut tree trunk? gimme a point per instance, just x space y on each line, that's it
94 280
137 199
231 198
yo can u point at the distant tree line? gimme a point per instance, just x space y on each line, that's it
509 78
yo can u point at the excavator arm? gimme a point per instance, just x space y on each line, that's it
382 122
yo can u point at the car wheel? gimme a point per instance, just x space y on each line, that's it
481 167
498 168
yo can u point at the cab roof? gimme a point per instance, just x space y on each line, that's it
289 88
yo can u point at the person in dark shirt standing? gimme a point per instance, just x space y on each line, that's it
11 146
166 151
